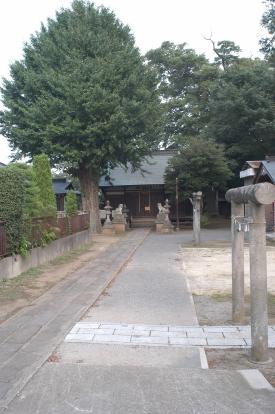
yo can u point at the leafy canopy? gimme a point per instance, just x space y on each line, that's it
199 165
241 111
81 93
184 78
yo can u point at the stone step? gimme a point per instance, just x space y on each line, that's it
143 222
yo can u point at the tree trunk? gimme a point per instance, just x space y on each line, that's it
90 200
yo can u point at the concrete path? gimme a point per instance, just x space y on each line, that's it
30 337
148 294
151 289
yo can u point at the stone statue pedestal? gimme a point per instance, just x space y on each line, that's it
160 221
108 230
167 228
119 220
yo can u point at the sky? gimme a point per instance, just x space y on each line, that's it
151 22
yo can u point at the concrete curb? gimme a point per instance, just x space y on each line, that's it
256 380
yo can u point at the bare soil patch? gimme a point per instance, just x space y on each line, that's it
216 309
208 270
22 290
235 359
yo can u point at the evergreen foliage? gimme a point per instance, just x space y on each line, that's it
12 198
241 112
268 21
184 80
43 179
71 203
83 95
199 165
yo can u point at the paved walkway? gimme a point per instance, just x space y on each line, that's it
165 335
144 295
30 337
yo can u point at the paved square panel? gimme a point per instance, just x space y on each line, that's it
164 335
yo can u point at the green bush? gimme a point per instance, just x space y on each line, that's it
12 199
71 203
43 178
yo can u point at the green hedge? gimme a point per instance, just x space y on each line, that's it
43 178
12 194
71 203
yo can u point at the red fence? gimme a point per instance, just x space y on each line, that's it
3 240
41 228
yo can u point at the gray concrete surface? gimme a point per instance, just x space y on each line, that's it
76 388
133 356
29 338
151 289
120 379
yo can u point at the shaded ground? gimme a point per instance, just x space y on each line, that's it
20 291
235 359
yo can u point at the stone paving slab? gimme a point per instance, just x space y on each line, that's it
165 335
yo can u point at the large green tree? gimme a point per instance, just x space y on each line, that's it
241 111
184 80
83 95
199 165
268 21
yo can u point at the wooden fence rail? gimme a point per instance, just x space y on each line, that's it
40 227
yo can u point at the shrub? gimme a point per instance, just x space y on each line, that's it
71 203
43 178
12 198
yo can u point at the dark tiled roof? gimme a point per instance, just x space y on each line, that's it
2 165
61 185
154 172
269 168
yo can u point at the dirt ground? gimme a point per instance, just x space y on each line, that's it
235 359
22 290
209 277
210 273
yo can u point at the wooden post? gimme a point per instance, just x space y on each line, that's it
257 196
258 283
237 210
196 201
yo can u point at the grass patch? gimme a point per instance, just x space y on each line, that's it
221 297
271 299
71 255
11 289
